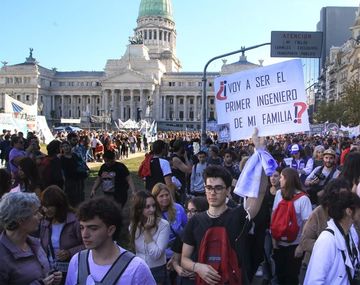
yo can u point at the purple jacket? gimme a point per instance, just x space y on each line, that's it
70 237
22 267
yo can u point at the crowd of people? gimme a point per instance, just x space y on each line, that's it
188 224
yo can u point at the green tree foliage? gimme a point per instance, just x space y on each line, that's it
345 111
331 112
351 100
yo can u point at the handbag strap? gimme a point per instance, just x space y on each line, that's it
348 272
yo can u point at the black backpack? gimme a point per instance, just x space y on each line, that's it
156 176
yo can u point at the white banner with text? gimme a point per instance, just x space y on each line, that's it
270 98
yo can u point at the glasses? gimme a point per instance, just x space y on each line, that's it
216 188
192 211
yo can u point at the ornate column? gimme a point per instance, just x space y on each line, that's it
53 102
176 113
163 101
121 105
186 108
62 106
92 105
113 100
142 103
131 104
195 109
73 106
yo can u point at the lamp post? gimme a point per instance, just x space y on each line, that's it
204 81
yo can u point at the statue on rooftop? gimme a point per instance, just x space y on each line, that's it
136 40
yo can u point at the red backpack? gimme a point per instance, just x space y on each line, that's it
144 168
284 226
215 250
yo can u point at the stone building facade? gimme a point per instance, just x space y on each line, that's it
146 82
342 66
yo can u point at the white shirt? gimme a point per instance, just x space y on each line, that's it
136 273
55 235
154 252
165 166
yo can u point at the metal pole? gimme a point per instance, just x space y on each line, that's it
204 82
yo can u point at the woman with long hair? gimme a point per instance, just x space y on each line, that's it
60 234
28 177
286 265
5 179
149 234
174 213
74 180
351 171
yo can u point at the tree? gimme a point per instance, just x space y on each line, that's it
331 112
351 99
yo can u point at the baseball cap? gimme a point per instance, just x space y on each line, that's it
295 149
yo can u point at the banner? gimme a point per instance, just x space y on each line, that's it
21 111
317 129
70 121
8 122
43 130
100 119
270 98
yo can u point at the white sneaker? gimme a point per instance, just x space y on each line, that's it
259 272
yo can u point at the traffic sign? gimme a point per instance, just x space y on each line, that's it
296 44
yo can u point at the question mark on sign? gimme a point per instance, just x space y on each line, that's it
299 113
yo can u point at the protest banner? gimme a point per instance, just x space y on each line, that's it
21 111
317 129
43 130
270 98
8 122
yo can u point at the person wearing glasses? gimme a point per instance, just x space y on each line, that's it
236 221
193 206
22 259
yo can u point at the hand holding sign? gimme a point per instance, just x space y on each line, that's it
270 98
259 142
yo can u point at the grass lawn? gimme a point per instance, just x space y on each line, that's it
133 166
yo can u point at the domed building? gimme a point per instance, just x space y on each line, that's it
145 83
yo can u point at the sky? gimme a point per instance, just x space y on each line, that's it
74 35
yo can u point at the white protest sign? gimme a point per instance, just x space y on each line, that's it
21 111
271 98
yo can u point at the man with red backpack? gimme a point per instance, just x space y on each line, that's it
215 241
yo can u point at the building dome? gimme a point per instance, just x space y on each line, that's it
162 8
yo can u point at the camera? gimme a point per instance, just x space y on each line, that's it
320 176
